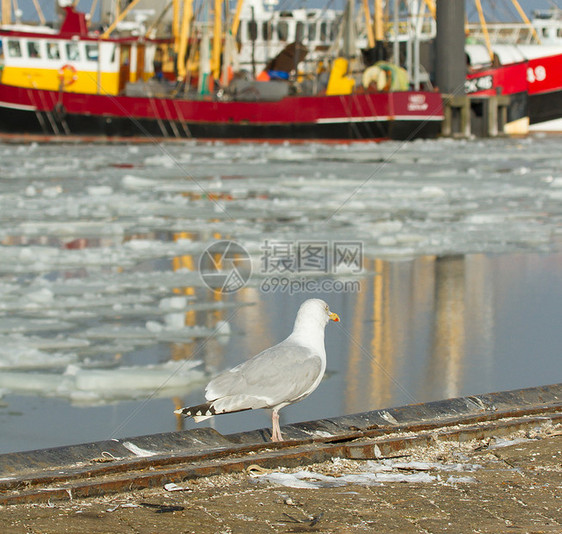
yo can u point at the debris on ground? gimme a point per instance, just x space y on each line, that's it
511 483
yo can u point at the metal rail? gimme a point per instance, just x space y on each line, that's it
109 467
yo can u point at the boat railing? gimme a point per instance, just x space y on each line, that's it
513 33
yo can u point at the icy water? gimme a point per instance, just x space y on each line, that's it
442 258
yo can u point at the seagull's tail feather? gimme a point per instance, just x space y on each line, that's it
208 410
199 412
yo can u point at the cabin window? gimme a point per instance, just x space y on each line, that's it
72 52
53 51
283 30
324 31
299 32
312 31
92 52
267 31
252 30
14 49
125 55
33 49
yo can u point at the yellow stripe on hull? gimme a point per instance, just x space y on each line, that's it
49 79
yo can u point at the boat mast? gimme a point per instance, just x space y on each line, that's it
176 25
184 33
119 18
236 20
42 18
217 38
349 36
228 50
431 6
92 11
485 27
526 20
369 22
6 11
478 5
379 27
396 30
150 30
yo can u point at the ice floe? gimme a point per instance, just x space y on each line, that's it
99 254
100 386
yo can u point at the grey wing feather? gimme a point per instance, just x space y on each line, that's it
283 373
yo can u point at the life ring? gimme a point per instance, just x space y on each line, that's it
66 80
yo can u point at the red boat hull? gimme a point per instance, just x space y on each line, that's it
535 87
399 115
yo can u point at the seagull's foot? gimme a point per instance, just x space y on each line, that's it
276 430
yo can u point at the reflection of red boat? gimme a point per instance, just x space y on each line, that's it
74 82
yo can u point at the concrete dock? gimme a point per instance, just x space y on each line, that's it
486 463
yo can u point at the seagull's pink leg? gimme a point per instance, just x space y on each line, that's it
276 433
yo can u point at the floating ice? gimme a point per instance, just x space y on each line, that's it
18 356
173 303
101 386
99 255
163 160
14 325
432 191
222 328
99 190
42 296
136 182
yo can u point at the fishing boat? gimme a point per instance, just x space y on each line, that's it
73 80
522 60
534 87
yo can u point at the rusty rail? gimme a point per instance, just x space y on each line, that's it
111 466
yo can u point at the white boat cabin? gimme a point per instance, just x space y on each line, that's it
72 59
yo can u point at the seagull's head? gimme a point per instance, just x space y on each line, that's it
315 310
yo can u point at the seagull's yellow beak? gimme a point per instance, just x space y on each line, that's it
334 316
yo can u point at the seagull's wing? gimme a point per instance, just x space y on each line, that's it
280 375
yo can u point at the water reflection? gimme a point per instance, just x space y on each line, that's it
422 329
444 372
421 325
418 330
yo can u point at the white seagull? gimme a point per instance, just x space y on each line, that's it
276 377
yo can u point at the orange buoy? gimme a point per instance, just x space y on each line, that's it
67 79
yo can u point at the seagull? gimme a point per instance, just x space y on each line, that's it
281 375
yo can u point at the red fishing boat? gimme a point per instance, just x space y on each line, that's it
522 60
73 81
534 87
